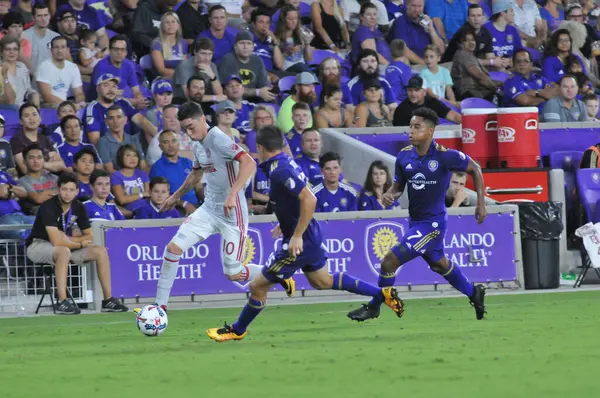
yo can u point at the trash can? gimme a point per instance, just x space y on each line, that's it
541 226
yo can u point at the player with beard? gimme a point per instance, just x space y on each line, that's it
330 72
304 92
368 68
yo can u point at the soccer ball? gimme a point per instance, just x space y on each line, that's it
152 320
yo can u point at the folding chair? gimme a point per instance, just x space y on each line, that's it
48 275
588 184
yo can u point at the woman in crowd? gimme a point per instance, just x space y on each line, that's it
331 32
552 14
169 49
558 53
372 112
378 181
330 113
17 74
368 36
12 26
297 53
130 184
162 91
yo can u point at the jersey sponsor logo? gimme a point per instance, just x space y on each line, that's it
209 168
419 181
506 134
468 136
380 237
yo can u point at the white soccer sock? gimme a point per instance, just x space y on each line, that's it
250 271
168 272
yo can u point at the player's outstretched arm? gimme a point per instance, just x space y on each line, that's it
475 171
191 181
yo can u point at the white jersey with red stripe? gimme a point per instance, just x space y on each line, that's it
218 156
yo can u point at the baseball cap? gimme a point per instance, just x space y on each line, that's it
233 77
66 14
306 78
368 83
244 35
415 82
107 77
225 105
161 86
501 6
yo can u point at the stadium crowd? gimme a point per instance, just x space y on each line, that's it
93 87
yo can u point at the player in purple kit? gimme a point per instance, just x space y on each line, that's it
301 248
425 168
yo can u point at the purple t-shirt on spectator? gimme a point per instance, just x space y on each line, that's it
264 50
178 52
504 43
364 33
222 46
398 74
394 10
553 68
133 185
242 116
517 85
551 20
126 73
413 34
88 18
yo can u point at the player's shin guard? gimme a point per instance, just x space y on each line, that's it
250 311
250 271
458 280
342 281
168 272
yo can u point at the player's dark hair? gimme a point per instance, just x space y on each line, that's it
86 150
427 114
522 50
121 155
117 38
193 78
300 106
66 178
330 157
97 173
368 186
64 104
64 120
189 110
158 180
33 147
27 106
270 138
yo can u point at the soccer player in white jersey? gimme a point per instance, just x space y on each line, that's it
226 167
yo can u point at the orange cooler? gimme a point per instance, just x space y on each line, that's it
479 137
518 137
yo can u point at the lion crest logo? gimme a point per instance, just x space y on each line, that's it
380 237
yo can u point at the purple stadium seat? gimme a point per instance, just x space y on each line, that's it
286 83
475 103
49 116
536 55
588 184
499 76
81 114
449 105
10 116
568 161
146 62
110 33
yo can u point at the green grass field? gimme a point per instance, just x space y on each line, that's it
536 345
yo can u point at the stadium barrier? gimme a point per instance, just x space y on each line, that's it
355 242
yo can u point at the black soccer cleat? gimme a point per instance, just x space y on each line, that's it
477 301
364 313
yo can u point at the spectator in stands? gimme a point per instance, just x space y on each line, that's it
262 115
10 210
417 30
552 14
30 134
89 53
416 98
17 74
116 64
234 90
558 55
372 112
40 36
505 37
484 49
24 7
225 118
199 65
39 184
305 92
437 78
592 105
224 38
249 67
169 48
331 32
297 52
377 182
146 23
532 28
174 168
309 159
332 194
107 86
130 184
65 109
71 128
195 92
471 79
109 144
193 19
330 72
305 12
352 14
448 17
84 163
87 17
398 71
123 12
330 113
524 87
574 12
51 242
565 107
300 116
368 68
7 160
266 45
13 23
456 196
162 90
170 122
57 77
66 23
367 36
98 206
151 209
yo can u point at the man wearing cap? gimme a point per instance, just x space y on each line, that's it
416 97
107 86
87 17
305 92
57 76
505 37
368 68
39 35
66 22
249 67
234 90
222 36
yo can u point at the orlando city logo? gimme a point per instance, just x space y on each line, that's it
380 237
252 252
